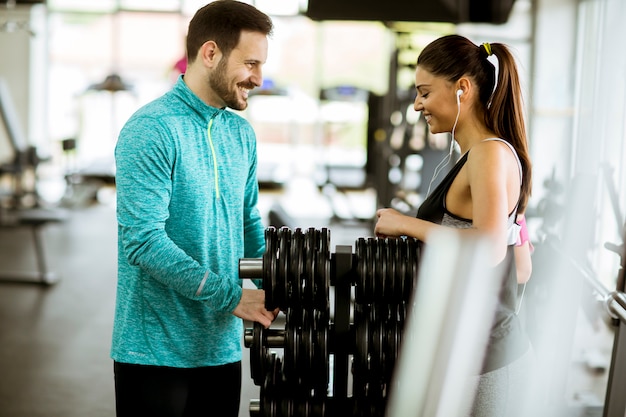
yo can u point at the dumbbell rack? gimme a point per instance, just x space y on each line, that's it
362 332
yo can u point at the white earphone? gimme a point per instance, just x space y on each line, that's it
459 93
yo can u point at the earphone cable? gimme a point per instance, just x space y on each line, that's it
448 157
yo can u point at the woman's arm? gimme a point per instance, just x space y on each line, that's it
392 223
523 263
486 190
494 183
523 250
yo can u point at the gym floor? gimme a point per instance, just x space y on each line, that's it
55 340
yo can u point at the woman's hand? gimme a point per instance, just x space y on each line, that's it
390 223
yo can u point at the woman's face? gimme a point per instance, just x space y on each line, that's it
436 98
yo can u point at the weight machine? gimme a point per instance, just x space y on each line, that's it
371 291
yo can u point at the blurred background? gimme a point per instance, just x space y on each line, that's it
337 139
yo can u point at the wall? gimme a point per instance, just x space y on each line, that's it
578 130
23 65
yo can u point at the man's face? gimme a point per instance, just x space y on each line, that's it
235 75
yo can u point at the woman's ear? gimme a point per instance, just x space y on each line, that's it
463 88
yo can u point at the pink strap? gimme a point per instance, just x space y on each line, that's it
523 233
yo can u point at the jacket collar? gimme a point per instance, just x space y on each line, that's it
203 110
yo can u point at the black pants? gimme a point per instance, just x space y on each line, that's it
156 391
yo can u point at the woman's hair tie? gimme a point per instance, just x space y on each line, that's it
487 47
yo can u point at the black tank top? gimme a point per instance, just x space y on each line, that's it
507 340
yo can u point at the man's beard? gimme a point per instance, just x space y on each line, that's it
219 83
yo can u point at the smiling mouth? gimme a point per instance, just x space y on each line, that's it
244 91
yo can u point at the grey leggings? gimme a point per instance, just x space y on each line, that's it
503 392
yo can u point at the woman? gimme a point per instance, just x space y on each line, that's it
523 251
458 92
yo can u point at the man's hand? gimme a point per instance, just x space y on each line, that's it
252 307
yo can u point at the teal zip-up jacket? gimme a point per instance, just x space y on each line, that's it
187 212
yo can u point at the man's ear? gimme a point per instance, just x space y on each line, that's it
210 53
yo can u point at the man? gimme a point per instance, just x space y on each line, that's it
186 207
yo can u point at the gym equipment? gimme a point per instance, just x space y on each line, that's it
20 205
338 358
462 11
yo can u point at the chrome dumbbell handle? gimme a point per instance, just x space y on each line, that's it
251 268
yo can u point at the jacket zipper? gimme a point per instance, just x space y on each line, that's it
215 171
